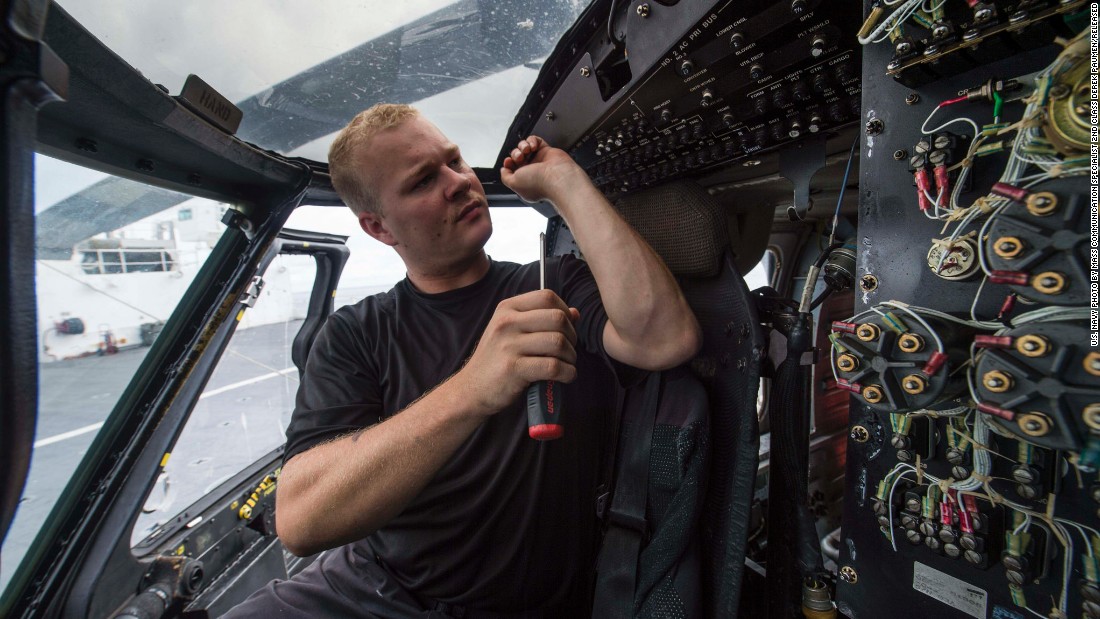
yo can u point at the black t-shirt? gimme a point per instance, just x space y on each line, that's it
509 522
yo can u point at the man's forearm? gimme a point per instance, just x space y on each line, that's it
653 327
344 490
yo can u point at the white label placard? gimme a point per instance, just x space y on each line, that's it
955 593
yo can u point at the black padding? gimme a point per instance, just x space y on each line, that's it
729 367
682 223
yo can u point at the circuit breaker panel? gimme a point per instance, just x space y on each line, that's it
971 486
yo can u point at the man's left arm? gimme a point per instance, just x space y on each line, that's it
650 325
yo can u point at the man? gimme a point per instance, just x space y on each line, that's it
408 451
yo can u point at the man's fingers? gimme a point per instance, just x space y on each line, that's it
534 369
536 299
535 141
546 344
546 320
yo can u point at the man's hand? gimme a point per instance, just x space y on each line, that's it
530 338
535 169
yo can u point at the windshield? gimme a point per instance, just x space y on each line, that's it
305 68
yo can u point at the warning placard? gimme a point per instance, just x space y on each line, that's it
955 593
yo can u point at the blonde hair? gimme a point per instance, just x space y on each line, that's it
349 180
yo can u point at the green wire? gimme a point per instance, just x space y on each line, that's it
998 101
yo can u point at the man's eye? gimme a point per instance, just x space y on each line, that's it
456 162
422 183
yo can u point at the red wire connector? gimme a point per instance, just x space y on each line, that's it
947 509
1012 192
849 386
966 521
993 341
1007 307
923 186
1011 278
943 185
844 327
935 362
991 409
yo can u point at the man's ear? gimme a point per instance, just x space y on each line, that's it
374 225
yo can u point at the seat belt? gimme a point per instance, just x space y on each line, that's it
617 565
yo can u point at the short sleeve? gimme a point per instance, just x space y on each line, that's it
577 287
339 392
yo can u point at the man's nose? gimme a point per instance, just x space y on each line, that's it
458 184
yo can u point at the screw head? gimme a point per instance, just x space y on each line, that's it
875 126
900 154
868 283
848 575
550 116
585 71
643 10
1059 91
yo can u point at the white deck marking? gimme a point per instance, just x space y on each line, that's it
57 438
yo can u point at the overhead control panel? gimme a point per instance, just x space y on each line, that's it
660 90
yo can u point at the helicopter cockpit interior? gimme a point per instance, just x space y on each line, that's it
878 211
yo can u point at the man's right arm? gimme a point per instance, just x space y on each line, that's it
344 490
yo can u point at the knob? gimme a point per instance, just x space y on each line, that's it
854 106
760 105
798 7
821 82
666 115
777 132
708 98
737 40
779 98
845 72
686 68
760 136
836 112
801 91
756 71
728 120
794 128
817 46
816 121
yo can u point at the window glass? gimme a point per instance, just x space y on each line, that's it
375 267
244 410
246 406
309 67
107 278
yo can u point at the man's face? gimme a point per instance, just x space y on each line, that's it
435 213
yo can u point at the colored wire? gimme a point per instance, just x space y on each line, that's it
843 186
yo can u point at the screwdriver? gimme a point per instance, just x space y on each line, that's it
544 397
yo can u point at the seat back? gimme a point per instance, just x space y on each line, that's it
685 225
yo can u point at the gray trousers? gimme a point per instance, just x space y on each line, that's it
345 584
